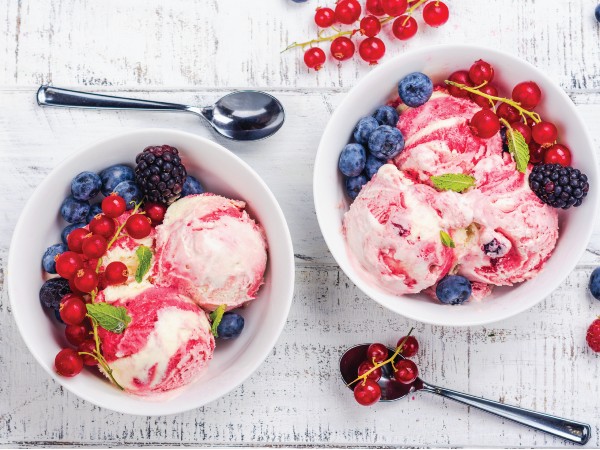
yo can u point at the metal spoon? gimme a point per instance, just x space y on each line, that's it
241 115
391 390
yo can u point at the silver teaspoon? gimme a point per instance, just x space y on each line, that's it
241 115
391 390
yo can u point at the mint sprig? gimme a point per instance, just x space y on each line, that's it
447 239
111 318
457 182
216 316
518 148
144 255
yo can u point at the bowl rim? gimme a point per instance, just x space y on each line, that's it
319 207
262 353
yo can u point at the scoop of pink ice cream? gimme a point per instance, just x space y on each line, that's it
167 344
210 249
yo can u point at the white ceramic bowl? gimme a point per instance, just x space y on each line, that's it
376 88
221 172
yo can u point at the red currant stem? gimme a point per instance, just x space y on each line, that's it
524 112
376 366
412 9
98 354
504 122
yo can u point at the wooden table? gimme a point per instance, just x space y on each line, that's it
193 51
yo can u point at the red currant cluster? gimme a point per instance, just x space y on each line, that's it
367 392
515 113
379 12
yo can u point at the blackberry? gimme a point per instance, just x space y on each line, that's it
160 174
559 186
494 249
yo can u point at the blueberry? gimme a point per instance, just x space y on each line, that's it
95 209
597 13
65 232
130 192
48 263
191 186
386 142
495 249
52 291
595 283
354 185
352 160
113 175
73 210
231 326
415 89
86 186
453 290
364 128
372 166
386 115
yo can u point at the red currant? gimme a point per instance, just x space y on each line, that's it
347 11
377 353
485 124
536 152
86 280
528 94
394 8
558 154
68 363
72 311
461 77
342 48
88 346
116 273
156 212
74 288
114 205
68 263
324 17
365 367
488 89
410 348
404 27
371 50
523 129
374 7
508 113
367 392
314 58
370 26
435 14
94 246
138 226
481 72
406 371
544 133
75 239
103 225
76 334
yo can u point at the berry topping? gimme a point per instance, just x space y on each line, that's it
364 128
377 353
370 26
536 153
367 392
86 280
488 89
453 290
406 371
68 363
523 129
372 166
460 77
508 112
138 226
68 263
481 72
386 142
191 186
347 11
75 239
73 210
404 27
544 133
354 185
415 89
352 160
436 13
314 58
103 225
88 346
231 326
94 246
558 154
342 48
324 17
76 334
116 273
558 186
67 230
160 174
365 367
394 7
484 124
130 192
156 212
52 292
410 347
593 335
48 259
528 94
114 205
495 249
86 186
72 310
371 50
594 284
113 175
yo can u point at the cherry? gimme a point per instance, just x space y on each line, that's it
314 58
370 26
406 371
367 392
544 133
94 246
536 152
558 154
508 113
347 11
484 124
461 77
481 72
410 348
68 263
68 363
523 129
103 225
139 226
371 50
156 212
86 280
342 48
435 13
377 353
528 94
88 346
116 273
75 239
394 8
374 7
488 89
365 367
114 205
76 334
72 310
404 27
324 17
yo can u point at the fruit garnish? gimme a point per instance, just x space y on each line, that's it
160 174
558 186
138 226
230 326
113 205
144 256
457 182
116 273
453 290
68 362
215 318
435 13
517 146
484 124
112 318
72 310
447 240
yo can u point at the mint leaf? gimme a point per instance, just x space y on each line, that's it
111 318
446 239
456 182
144 255
215 318
518 148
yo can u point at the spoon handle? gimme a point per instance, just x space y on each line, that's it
53 96
570 430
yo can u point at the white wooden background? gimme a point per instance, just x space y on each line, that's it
195 50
